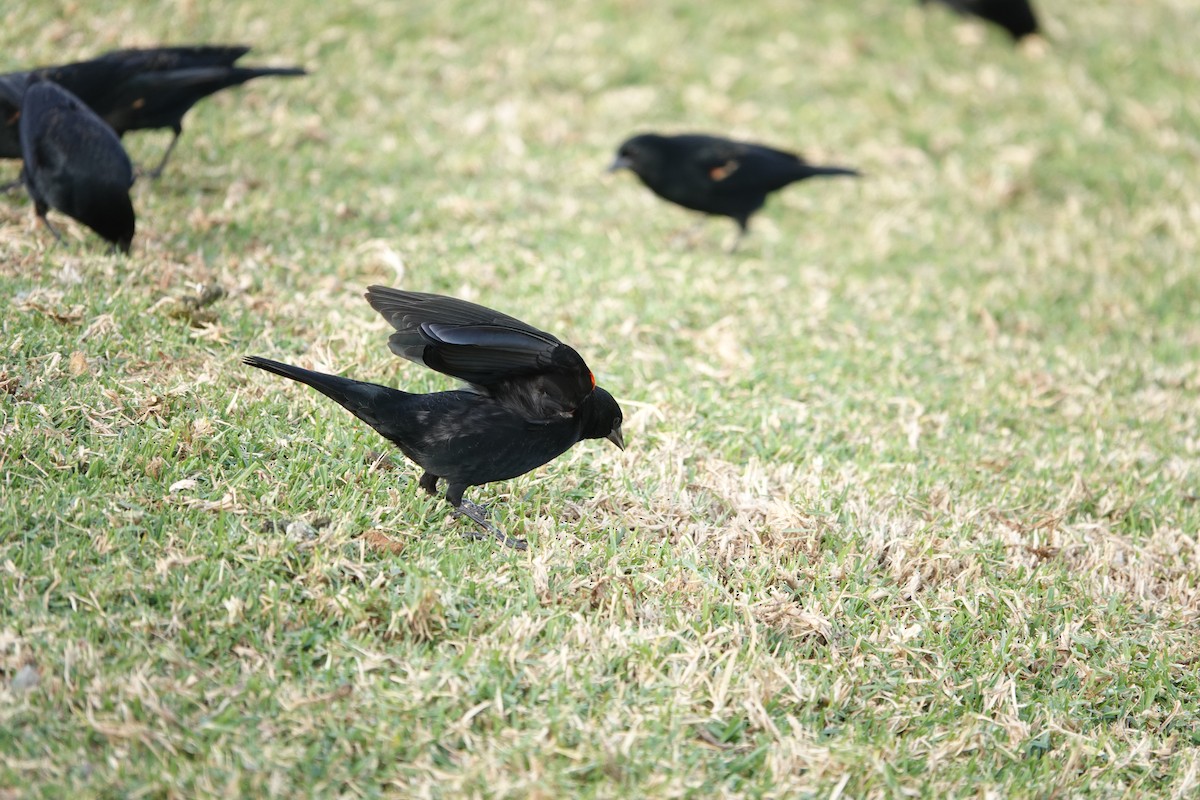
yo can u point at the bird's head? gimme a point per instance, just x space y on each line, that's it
111 215
639 154
602 418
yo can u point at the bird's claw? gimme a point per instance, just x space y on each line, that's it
57 236
478 515
472 510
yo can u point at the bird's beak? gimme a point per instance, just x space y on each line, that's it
616 438
620 163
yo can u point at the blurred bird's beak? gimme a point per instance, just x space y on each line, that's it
620 163
616 438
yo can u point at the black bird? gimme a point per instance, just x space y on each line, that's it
1015 16
528 397
713 175
75 163
137 89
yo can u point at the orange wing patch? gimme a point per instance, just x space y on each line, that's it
724 171
592 378
141 101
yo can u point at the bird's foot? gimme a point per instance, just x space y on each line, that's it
736 243
57 236
157 171
478 514
689 237
473 510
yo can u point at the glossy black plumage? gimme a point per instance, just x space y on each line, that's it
714 175
1015 16
137 89
529 396
74 163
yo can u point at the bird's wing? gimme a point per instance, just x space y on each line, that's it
493 356
407 310
155 59
159 99
496 353
12 87
737 167
43 106
485 354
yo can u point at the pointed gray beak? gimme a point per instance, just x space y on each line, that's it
620 163
616 438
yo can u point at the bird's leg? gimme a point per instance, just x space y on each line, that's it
478 514
687 237
741 234
154 173
428 482
41 213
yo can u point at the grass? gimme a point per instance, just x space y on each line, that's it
910 505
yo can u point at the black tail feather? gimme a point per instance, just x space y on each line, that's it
361 399
832 171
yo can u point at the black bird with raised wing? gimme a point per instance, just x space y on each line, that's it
74 163
137 89
528 399
714 175
1015 16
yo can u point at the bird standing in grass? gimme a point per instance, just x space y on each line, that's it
1015 16
714 175
74 163
529 397
137 89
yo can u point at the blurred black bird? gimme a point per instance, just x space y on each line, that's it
1015 16
75 163
137 89
528 397
713 175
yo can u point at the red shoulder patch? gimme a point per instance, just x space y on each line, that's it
724 171
592 378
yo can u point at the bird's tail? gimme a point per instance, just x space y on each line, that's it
248 73
204 81
813 171
370 402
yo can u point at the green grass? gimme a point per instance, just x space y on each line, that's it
911 499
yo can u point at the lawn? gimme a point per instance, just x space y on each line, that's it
911 493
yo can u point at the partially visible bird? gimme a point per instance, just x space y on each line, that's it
1015 16
12 92
137 89
528 397
714 175
74 163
